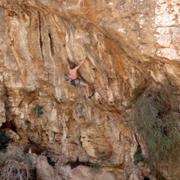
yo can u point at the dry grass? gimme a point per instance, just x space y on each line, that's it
14 170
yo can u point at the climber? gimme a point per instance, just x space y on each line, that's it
75 79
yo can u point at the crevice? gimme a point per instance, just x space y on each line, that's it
9 125
7 104
33 147
74 164
51 43
40 35
146 178
138 155
4 140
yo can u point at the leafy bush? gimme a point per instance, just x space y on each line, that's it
38 110
158 127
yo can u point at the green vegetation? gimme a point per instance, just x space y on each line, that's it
158 127
138 156
38 110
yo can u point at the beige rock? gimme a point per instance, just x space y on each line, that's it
83 172
12 135
44 170
132 49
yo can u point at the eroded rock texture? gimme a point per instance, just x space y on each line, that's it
132 49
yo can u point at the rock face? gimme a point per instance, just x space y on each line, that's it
133 63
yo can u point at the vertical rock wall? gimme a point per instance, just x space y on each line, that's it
132 51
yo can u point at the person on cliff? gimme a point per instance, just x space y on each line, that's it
74 78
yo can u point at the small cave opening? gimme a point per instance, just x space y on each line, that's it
146 178
50 161
4 140
9 125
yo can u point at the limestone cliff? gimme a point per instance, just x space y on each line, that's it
129 129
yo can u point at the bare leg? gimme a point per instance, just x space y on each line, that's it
86 85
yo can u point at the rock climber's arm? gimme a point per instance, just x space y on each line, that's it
80 64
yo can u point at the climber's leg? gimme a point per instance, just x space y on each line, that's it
81 82
87 88
84 84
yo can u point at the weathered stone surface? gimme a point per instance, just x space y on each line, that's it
83 172
44 170
132 49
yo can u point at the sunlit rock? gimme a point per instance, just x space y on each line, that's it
132 66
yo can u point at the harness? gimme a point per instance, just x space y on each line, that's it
74 82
